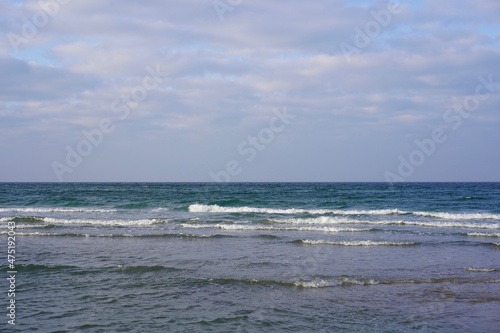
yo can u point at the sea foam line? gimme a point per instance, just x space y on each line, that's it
340 220
481 269
56 221
114 235
269 228
199 208
356 243
344 281
452 224
459 216
141 222
26 226
482 234
56 210
350 281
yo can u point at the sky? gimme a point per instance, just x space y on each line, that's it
242 91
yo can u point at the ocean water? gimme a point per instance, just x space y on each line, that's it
266 257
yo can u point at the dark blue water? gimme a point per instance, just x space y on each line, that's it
279 257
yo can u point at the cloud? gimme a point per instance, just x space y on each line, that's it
224 77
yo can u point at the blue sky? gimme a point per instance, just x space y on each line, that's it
242 90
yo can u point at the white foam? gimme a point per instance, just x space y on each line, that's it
370 212
142 222
74 234
479 269
340 220
270 228
321 283
315 284
452 224
319 220
37 234
198 208
369 282
460 216
482 234
56 221
356 243
56 210
24 226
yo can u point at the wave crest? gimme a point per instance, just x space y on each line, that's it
200 208
482 234
237 227
480 269
356 243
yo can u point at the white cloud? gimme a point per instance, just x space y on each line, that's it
224 77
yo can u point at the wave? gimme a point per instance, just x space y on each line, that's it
26 219
452 225
269 228
351 281
471 198
355 243
482 270
142 269
141 222
267 236
129 223
43 222
340 220
459 216
199 208
343 281
40 267
481 234
322 220
87 235
316 283
25 226
56 210
33 268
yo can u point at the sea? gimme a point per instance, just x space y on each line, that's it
250 257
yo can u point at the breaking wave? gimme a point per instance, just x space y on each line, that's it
355 243
482 234
200 208
271 228
341 220
480 269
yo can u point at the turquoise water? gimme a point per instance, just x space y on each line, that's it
279 257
